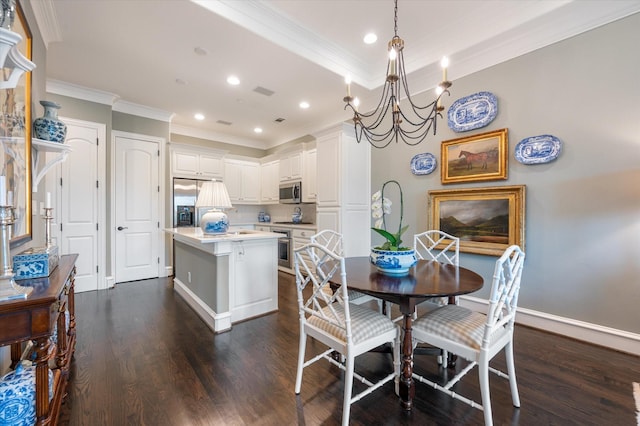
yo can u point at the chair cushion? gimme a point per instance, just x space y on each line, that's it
455 323
365 323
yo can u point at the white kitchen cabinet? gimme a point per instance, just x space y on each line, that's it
291 166
344 189
194 164
242 179
309 187
256 282
263 228
300 238
270 182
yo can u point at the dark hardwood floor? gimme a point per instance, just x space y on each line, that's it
143 357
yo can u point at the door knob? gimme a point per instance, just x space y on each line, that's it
120 228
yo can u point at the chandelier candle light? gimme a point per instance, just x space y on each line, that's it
8 287
410 124
214 194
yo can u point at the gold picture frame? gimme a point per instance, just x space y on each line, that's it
480 157
15 137
487 220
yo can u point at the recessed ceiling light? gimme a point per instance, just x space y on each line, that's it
199 117
258 130
233 80
370 38
304 105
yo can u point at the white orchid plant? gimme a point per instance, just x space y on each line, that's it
381 206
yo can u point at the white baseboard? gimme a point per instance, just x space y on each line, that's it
110 282
619 340
218 322
168 270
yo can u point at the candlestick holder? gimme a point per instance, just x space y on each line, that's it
8 287
48 217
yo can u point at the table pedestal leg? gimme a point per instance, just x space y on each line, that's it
407 385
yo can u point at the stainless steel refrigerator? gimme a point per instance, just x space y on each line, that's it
185 194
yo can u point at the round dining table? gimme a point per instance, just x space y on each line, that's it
425 280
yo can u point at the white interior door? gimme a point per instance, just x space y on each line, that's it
81 201
136 197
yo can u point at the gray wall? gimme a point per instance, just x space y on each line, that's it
583 209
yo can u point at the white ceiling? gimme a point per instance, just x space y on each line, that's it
132 52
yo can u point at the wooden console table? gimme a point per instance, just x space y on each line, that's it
35 318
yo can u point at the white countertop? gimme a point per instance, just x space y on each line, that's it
288 225
234 234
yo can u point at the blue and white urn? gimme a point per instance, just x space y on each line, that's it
395 263
18 396
49 127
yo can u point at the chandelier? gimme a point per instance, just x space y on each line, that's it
390 121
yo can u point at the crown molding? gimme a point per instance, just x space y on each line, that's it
142 111
106 98
267 22
215 136
80 92
47 21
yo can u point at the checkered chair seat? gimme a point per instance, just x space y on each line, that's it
455 323
365 323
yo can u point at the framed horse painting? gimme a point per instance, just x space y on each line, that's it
475 158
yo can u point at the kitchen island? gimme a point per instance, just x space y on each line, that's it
226 278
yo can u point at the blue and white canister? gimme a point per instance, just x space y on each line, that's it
49 127
18 396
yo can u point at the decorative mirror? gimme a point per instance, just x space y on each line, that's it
15 137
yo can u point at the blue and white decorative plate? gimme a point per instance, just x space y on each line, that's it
423 164
538 149
472 112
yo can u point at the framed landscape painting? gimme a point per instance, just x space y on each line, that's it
475 158
487 220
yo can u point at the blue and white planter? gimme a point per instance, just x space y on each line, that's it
395 263
18 396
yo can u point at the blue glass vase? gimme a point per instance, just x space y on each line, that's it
49 127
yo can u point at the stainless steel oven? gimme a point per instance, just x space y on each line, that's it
285 253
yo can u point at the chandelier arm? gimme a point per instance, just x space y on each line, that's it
411 125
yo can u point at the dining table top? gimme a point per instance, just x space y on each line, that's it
426 279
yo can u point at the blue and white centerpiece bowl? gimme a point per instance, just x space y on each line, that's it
395 263
18 396
49 127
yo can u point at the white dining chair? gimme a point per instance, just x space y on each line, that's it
343 327
333 241
437 245
441 247
477 337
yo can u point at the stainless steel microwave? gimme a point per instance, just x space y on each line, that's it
291 193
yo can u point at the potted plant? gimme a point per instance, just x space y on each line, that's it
391 258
